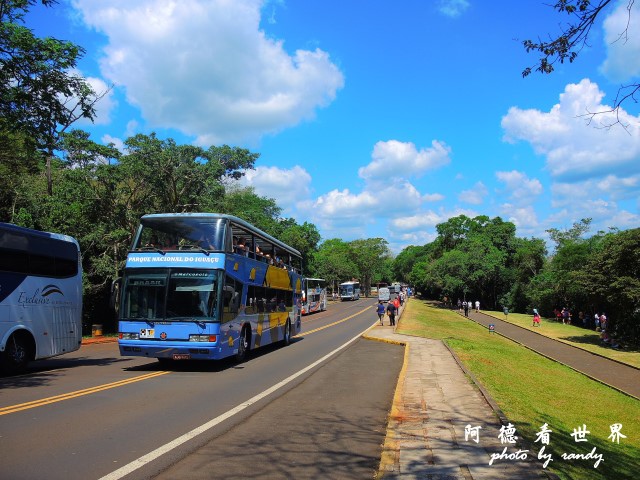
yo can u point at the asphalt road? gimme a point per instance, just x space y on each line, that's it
90 413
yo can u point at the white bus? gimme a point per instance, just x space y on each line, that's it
314 295
349 291
40 296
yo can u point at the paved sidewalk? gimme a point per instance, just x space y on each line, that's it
433 404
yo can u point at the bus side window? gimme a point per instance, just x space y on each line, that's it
231 297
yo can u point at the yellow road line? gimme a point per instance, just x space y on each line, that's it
334 323
107 386
77 393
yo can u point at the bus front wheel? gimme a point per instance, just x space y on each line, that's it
15 356
243 345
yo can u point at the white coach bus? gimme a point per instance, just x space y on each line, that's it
40 296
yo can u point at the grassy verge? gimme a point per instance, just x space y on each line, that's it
582 338
532 390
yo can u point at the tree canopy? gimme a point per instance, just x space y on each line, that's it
573 37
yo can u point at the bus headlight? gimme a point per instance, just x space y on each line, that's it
128 336
202 338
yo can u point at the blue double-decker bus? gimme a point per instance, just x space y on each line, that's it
205 286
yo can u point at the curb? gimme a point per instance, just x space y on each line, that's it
94 340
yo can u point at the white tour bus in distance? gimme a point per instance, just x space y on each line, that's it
349 290
314 295
384 294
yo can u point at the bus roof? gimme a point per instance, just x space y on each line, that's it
211 216
10 227
349 283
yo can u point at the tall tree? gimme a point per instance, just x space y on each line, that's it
333 262
369 256
40 92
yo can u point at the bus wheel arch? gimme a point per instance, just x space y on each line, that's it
244 343
286 340
19 350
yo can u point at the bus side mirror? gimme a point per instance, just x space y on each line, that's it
114 299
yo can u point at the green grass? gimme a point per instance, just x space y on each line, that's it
532 390
577 336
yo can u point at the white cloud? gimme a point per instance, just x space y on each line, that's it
521 188
384 202
433 197
623 50
420 221
572 149
475 195
117 142
205 68
286 187
395 158
453 8
524 218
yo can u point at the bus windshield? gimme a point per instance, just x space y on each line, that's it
177 295
181 233
346 290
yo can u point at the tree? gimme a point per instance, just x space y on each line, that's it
19 159
573 38
612 279
333 262
304 238
40 92
405 260
369 256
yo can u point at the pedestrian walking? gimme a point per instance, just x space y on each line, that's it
536 318
391 311
477 306
465 306
380 311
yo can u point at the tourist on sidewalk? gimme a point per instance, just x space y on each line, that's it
391 311
380 311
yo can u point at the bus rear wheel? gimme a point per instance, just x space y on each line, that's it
287 333
15 356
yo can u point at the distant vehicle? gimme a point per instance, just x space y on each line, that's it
314 295
205 286
384 294
395 288
40 296
349 291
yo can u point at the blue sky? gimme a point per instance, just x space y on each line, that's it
375 118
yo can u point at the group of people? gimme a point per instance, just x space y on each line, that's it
464 306
392 308
242 247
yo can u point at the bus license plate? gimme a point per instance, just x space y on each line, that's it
181 356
